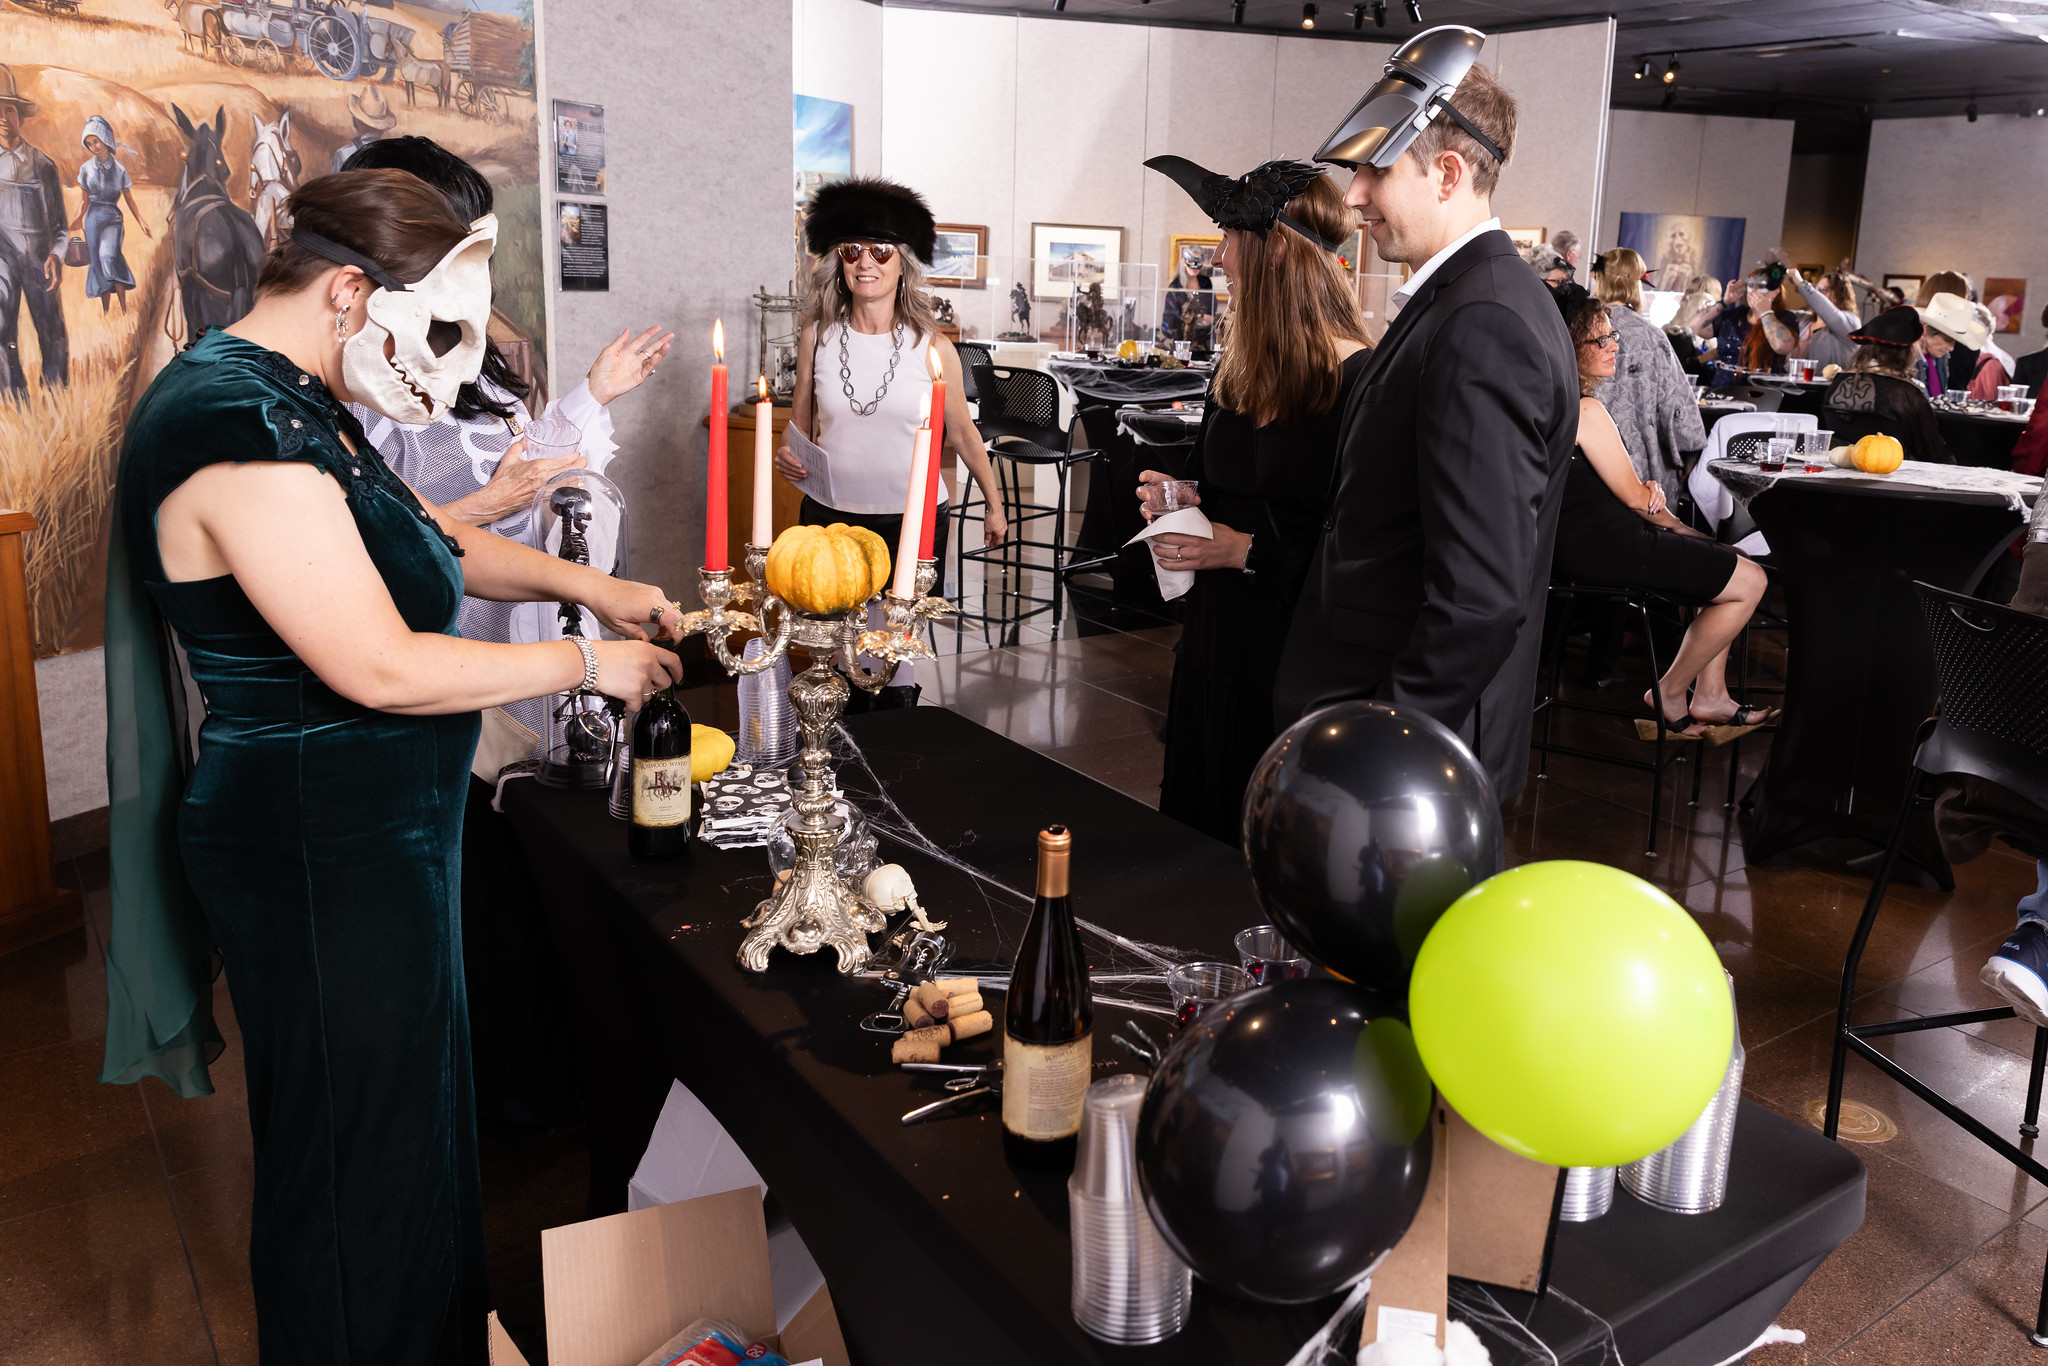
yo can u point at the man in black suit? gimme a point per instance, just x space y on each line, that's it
2032 368
1429 588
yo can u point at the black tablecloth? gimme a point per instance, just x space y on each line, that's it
1160 426
1976 439
930 1242
1860 674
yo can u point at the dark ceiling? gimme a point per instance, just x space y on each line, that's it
1828 61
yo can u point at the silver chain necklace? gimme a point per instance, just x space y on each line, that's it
846 372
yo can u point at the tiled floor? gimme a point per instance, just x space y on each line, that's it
123 1210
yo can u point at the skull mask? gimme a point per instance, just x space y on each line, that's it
434 328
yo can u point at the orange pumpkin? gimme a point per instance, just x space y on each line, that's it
822 570
1879 454
875 548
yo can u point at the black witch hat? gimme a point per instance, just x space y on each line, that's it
1252 202
869 209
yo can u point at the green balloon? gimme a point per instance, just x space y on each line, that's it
1573 1013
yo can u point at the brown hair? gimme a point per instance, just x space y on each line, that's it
1618 278
1942 282
393 217
1481 99
1581 315
1879 358
1288 308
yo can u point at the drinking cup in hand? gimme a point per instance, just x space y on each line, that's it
1170 495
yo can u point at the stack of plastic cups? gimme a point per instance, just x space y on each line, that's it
1129 1287
1691 1176
767 723
1588 1194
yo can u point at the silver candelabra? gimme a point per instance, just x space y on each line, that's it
814 908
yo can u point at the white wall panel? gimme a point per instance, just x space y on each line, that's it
1698 164
836 54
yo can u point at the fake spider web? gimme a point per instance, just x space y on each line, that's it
1126 972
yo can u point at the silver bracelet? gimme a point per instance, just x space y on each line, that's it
589 683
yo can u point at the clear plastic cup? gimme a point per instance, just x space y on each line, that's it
548 438
1266 957
1170 495
1777 451
1198 986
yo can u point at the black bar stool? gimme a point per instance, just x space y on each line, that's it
1019 419
1993 726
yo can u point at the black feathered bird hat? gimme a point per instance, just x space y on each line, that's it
1252 202
869 209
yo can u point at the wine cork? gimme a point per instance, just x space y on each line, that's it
940 1009
955 986
916 1015
967 1026
920 1045
957 1006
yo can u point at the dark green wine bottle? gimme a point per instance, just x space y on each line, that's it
662 791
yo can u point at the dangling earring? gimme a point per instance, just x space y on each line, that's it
341 324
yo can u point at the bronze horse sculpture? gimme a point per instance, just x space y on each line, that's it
215 242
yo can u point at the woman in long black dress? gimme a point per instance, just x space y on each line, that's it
1615 529
316 843
1265 456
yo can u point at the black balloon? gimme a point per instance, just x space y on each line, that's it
1284 1142
1361 824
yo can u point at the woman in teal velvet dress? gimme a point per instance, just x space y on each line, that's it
314 845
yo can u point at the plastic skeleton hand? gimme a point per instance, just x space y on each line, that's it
889 887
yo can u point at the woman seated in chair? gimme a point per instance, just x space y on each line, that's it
2016 972
1878 393
1614 529
1265 455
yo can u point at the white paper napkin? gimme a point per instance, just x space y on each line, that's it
1186 522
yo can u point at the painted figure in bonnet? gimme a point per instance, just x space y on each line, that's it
103 183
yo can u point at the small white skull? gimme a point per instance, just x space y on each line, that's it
890 888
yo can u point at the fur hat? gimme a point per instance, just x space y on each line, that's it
869 209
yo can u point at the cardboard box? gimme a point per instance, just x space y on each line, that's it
618 1288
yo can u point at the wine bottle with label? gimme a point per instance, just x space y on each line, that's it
661 779
1047 1022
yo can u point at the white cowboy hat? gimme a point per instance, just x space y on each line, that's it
1956 318
370 110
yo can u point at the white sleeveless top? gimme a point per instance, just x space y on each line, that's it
882 440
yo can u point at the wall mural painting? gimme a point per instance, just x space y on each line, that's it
147 148
1677 246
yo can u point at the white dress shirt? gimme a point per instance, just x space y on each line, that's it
1400 297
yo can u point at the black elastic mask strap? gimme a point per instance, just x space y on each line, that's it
1444 106
1325 243
347 256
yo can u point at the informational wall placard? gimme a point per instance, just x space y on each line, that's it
586 254
579 148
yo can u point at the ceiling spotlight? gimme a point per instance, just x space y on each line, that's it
1059 6
1379 13
1970 111
1643 71
1358 16
1415 11
1671 71
1237 11
1308 16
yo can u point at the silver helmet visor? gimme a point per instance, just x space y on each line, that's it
1417 86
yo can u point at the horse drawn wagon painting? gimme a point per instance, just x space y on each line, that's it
154 144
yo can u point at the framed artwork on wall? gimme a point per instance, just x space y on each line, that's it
1524 238
1074 255
1677 246
1352 255
1909 285
960 257
2007 300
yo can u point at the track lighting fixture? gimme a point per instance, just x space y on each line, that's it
1237 11
1059 6
1358 16
1671 70
1643 71
1308 16
1415 11
1970 111
1379 13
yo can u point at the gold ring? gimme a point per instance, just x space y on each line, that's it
1177 553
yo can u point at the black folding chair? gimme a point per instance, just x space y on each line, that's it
1993 726
1020 422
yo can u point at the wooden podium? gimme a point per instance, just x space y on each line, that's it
32 906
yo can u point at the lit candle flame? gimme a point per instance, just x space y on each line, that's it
761 387
718 340
924 411
931 360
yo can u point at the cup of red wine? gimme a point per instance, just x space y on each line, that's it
1197 986
1266 957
